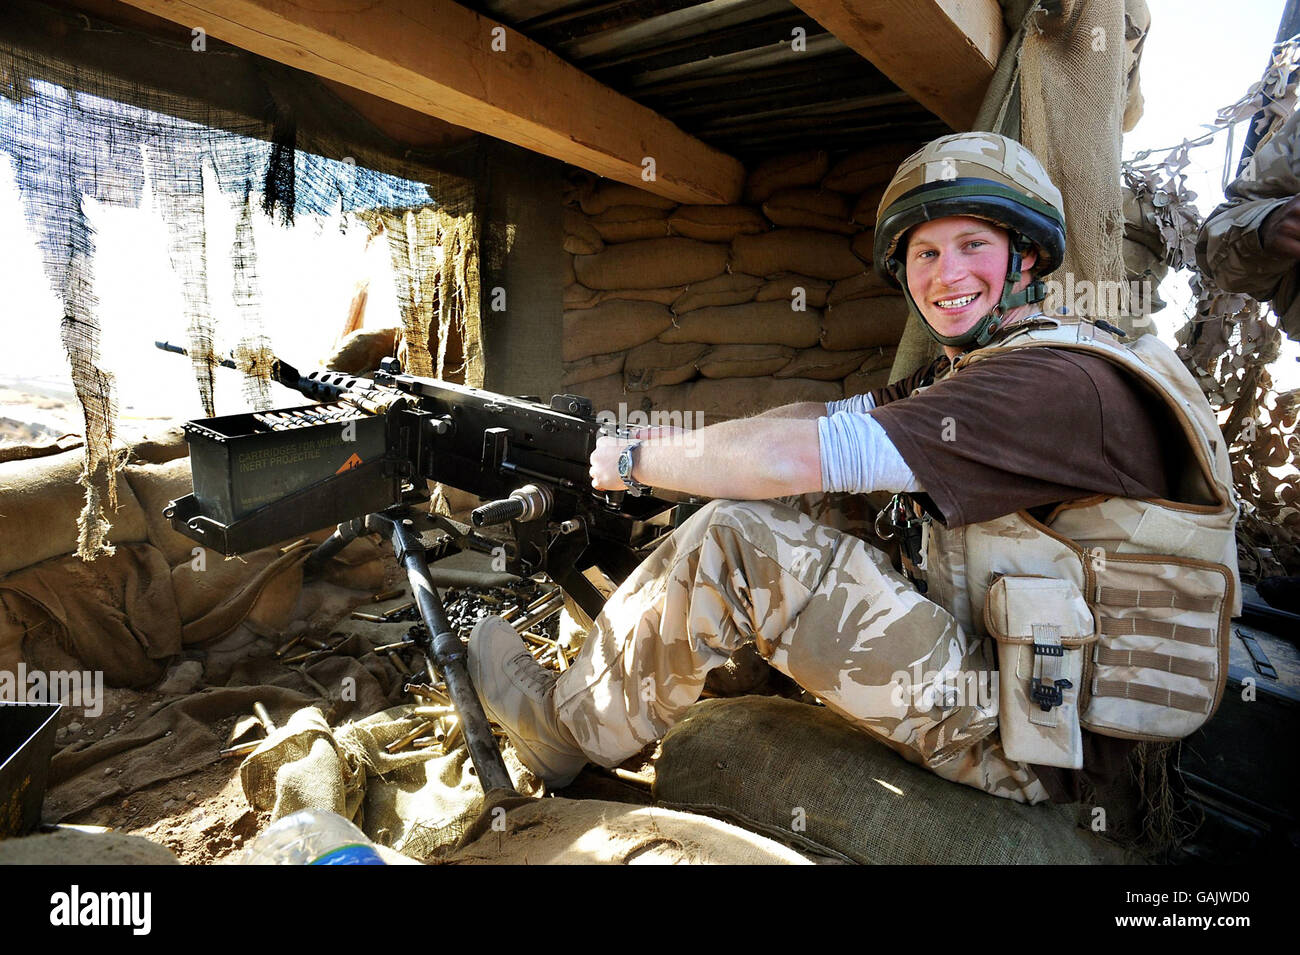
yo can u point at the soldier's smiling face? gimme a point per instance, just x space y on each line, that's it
956 267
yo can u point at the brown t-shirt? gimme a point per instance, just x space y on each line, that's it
1026 430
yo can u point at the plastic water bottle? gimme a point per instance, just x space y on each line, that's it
311 837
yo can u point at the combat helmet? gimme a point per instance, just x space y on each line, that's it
987 176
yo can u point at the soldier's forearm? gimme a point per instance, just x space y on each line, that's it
751 459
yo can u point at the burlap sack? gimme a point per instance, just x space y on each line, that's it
361 350
656 364
810 209
159 448
743 361
596 832
568 276
859 171
605 393
874 373
864 323
822 365
40 503
716 223
215 594
781 289
612 326
579 296
865 285
607 193
580 245
40 448
589 369
724 398
652 263
579 226
756 323
733 288
156 486
868 204
804 251
626 223
805 770
786 172
863 246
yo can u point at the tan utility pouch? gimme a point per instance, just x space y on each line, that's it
1042 626
1158 669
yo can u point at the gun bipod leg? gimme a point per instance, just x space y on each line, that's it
447 654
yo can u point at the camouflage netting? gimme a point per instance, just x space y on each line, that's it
1230 340
75 133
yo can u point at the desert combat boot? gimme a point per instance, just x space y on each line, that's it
518 693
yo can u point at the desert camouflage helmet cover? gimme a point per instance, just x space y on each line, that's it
977 174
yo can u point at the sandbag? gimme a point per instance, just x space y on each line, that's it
868 205
579 226
805 251
864 285
743 361
605 393
732 288
159 448
156 486
40 503
858 798
822 365
40 448
716 223
577 295
656 363
581 245
589 369
607 193
782 289
361 350
214 595
810 209
567 275
756 323
612 326
595 832
786 172
863 246
873 166
864 323
722 398
872 374
626 223
652 263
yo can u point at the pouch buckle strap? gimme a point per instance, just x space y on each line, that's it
1047 687
1155 599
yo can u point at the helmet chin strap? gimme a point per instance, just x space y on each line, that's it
982 332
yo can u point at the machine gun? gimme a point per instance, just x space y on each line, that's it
360 458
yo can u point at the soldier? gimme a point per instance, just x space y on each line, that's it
1251 243
987 442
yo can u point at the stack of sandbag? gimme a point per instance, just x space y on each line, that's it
730 310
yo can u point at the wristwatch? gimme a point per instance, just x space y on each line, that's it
625 466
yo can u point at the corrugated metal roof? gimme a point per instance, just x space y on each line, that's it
726 70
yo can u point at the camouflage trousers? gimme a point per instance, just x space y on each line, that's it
823 607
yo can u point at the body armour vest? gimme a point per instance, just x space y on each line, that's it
1134 596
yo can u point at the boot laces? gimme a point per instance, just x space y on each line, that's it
534 677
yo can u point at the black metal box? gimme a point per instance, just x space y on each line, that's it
26 744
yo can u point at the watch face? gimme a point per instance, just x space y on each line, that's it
625 464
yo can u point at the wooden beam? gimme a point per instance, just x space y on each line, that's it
442 59
942 53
